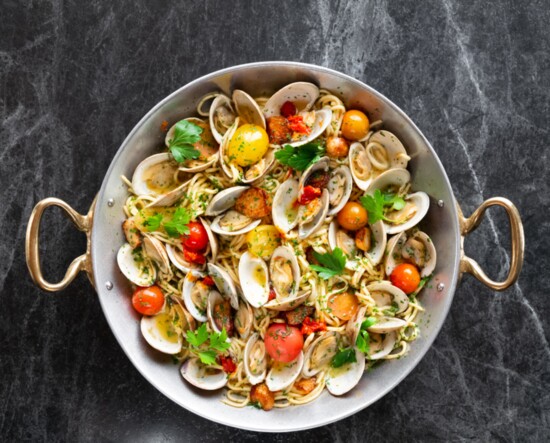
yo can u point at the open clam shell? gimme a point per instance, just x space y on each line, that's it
387 324
258 170
288 304
311 226
417 248
156 251
284 273
302 94
254 279
339 187
284 210
159 333
339 238
155 175
381 345
386 295
282 375
320 165
214 316
255 359
224 283
135 267
342 380
353 327
417 205
221 116
323 117
195 298
224 200
386 151
320 353
247 108
202 376
244 319
391 178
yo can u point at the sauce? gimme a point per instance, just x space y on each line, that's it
165 328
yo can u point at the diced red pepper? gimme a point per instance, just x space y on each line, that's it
194 257
288 109
309 326
308 194
296 124
228 364
208 281
272 295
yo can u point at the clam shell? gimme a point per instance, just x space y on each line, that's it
387 324
384 348
253 378
266 163
307 370
393 292
194 372
422 202
218 229
348 187
288 304
305 230
155 250
320 165
150 331
397 242
351 262
224 200
397 154
139 178
176 257
244 319
247 108
376 252
214 297
287 253
134 270
344 379
302 94
232 172
354 325
255 290
396 177
220 100
362 179
323 117
284 213
187 289
224 283
282 375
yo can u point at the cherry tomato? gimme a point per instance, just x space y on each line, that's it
355 125
308 194
296 124
283 342
406 277
148 301
263 240
309 326
352 216
288 109
197 239
194 257
344 305
228 364
337 147
248 145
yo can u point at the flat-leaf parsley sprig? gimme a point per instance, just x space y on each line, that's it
333 263
186 134
175 227
207 352
375 205
300 158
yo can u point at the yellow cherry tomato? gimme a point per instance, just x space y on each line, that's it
344 306
263 240
355 125
248 145
352 216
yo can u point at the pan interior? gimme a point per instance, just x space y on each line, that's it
147 138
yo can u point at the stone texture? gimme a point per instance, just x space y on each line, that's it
76 76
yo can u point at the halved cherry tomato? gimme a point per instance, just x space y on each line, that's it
288 109
344 305
308 194
406 277
283 342
208 281
309 326
148 301
352 216
228 364
355 125
296 124
197 239
194 257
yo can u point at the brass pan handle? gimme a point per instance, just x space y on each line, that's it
469 224
83 263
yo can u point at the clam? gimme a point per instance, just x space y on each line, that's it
387 324
310 219
320 353
244 319
255 359
221 116
207 146
195 297
416 204
155 250
203 376
247 108
254 279
284 210
284 274
282 375
228 221
342 380
135 266
339 186
375 243
416 248
382 151
386 295
177 258
219 313
224 283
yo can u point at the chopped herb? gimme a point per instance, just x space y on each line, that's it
333 263
186 134
302 157
178 225
363 339
218 344
375 205
342 357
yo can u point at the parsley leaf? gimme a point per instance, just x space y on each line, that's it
342 357
219 341
300 158
333 263
198 337
368 322
178 225
363 339
153 223
208 357
376 203
186 134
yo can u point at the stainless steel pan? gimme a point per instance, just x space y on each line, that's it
445 223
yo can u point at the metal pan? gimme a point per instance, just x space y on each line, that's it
445 222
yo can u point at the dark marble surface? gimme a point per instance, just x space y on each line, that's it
76 76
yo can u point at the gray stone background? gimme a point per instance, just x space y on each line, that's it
76 76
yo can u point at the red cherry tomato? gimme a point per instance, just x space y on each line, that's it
148 301
194 257
308 194
197 239
406 277
288 109
296 124
283 342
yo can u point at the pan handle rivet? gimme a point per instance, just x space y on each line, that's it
440 203
110 202
109 285
440 287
